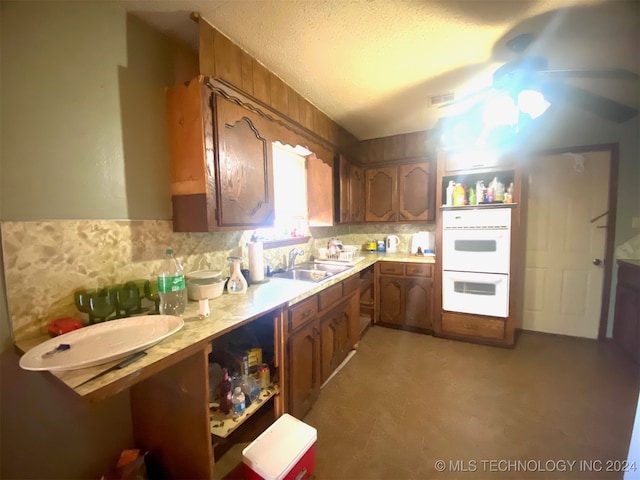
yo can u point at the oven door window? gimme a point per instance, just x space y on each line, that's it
476 293
476 250
475 288
475 246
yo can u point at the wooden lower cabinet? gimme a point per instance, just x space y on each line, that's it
322 331
304 368
392 300
473 326
335 344
405 295
418 303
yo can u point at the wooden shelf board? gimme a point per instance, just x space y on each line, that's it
222 425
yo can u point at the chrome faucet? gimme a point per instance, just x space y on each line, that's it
292 257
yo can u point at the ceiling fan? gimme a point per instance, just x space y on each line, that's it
533 73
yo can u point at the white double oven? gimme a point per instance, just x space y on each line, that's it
476 252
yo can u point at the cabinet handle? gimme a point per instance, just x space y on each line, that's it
305 314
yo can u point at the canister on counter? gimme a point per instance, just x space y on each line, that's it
381 246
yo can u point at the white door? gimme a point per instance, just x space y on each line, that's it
563 287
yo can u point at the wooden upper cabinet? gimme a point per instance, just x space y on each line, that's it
414 192
244 167
399 194
221 162
381 197
320 201
349 190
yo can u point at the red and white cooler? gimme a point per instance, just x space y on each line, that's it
284 451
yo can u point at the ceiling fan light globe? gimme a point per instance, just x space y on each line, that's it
532 103
500 110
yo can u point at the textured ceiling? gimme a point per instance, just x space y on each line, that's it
372 65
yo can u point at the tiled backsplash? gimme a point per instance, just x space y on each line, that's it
45 262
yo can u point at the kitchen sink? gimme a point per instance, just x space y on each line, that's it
332 269
312 272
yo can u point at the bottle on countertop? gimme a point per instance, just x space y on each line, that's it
237 283
171 286
237 400
450 193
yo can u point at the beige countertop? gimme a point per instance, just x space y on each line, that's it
227 312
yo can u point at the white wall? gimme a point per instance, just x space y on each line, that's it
83 129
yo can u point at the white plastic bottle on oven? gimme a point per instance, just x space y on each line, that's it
480 192
450 193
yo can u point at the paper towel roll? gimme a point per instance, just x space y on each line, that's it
256 262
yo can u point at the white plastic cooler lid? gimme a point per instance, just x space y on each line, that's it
276 450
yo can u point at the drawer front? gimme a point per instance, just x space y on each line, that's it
330 295
392 268
301 312
473 327
351 284
418 270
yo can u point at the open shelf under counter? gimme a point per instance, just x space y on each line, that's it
223 425
479 206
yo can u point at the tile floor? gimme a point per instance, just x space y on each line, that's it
406 400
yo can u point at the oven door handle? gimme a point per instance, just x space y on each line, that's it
467 280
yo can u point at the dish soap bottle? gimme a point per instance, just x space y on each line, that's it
236 283
458 195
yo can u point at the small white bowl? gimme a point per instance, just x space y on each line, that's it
197 291
202 277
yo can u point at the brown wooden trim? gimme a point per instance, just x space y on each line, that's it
614 152
610 241
243 99
397 162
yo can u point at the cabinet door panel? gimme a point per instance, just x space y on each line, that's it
356 194
381 198
304 370
418 303
392 300
343 186
413 192
244 168
319 182
329 344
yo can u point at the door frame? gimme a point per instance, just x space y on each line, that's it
614 151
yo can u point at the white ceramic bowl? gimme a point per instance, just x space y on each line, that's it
197 291
204 284
202 277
